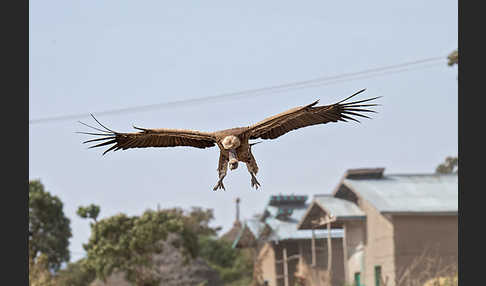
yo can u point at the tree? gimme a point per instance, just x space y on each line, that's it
39 274
217 252
198 220
92 211
451 163
75 274
49 228
126 244
428 268
453 58
448 167
235 266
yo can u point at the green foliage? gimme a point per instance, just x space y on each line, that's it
39 274
75 274
92 211
448 167
49 228
453 58
234 265
198 220
126 244
218 252
196 224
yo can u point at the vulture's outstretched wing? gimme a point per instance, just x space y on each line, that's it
149 138
308 115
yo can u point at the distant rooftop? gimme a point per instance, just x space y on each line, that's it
337 207
253 225
281 215
277 200
287 229
327 204
283 219
407 193
364 173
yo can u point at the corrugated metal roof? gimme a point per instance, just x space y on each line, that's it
409 193
255 226
287 229
273 211
284 224
286 199
338 207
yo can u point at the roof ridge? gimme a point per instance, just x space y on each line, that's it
405 175
421 174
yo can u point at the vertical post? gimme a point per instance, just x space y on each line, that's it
329 252
301 253
347 277
237 209
313 248
285 270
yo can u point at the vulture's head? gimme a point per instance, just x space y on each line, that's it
231 142
233 164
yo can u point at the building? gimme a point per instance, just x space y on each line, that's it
391 223
249 233
286 255
231 234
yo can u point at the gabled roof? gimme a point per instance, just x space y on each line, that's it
254 226
323 205
424 193
231 235
281 216
338 207
277 200
286 228
282 230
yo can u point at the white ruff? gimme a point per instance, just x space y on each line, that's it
230 142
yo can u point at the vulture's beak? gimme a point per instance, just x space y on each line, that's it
233 164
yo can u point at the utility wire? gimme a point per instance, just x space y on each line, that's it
368 73
355 78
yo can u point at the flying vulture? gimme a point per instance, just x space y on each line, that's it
234 143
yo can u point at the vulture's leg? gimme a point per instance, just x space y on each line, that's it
253 169
222 169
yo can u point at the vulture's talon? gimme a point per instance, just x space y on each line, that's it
219 185
254 182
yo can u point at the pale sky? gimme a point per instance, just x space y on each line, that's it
93 56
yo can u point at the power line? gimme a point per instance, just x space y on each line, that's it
357 78
368 73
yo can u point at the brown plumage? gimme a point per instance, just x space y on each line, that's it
233 143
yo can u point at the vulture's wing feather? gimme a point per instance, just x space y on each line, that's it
150 138
309 115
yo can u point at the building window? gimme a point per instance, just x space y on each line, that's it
357 279
378 276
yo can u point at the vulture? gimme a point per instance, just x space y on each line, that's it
234 143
